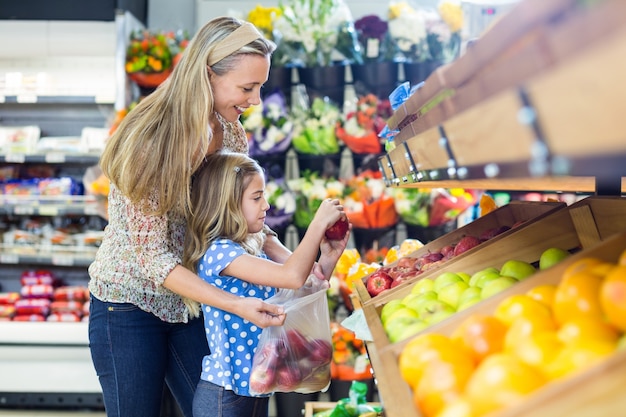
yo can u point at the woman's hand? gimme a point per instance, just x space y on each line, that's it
261 313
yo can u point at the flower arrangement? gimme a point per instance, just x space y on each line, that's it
154 52
407 28
359 129
314 128
369 203
373 36
268 125
310 190
350 360
426 207
317 28
282 203
444 31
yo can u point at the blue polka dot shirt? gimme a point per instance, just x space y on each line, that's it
232 340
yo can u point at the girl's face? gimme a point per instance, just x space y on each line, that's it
240 88
254 205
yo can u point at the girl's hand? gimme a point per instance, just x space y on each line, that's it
261 313
328 213
331 251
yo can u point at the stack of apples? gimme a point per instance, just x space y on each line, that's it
493 360
408 267
434 299
293 363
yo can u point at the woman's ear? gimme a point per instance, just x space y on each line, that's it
210 72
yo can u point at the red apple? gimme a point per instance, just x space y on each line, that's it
406 262
298 343
321 352
493 232
377 282
262 379
288 377
446 250
338 230
466 243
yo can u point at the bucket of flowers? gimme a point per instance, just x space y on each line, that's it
151 56
431 213
314 137
270 129
282 203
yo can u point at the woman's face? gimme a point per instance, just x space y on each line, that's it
240 88
254 204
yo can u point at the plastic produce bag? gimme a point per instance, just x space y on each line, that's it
295 357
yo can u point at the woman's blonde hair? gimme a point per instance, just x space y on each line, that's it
216 200
161 142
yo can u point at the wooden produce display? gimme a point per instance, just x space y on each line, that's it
518 213
596 391
523 102
578 226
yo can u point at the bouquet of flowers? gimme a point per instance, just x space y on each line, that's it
373 36
314 128
407 28
268 125
427 207
318 28
154 52
369 203
359 129
282 203
310 190
444 31
350 360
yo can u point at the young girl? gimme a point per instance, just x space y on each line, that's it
223 244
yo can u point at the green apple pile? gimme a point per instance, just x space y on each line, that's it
434 299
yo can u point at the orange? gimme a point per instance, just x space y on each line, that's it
579 356
543 293
442 383
481 335
520 305
621 261
459 407
578 295
500 381
586 328
581 265
486 204
538 350
421 350
523 327
613 295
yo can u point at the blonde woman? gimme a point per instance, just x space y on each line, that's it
143 329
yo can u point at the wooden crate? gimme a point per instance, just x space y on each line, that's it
312 407
579 226
598 391
508 215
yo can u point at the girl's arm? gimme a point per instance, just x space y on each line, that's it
297 267
184 282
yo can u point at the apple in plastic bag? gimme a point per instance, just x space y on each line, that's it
298 343
288 376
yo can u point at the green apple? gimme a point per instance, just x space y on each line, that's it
468 302
390 307
469 293
451 293
477 275
408 330
416 303
395 327
444 279
433 307
486 278
422 285
496 286
552 256
621 343
464 276
517 269
440 315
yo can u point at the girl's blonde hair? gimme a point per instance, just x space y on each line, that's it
161 142
216 198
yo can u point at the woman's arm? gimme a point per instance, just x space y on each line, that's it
187 284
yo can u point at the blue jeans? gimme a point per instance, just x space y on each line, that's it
135 353
214 401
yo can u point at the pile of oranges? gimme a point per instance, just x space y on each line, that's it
493 361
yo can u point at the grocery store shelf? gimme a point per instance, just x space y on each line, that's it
59 255
51 158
